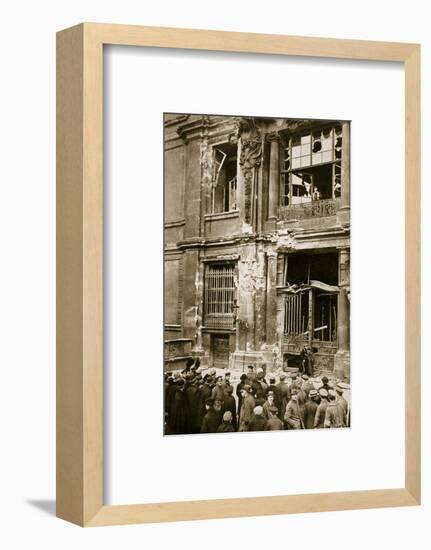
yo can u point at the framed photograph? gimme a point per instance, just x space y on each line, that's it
238 273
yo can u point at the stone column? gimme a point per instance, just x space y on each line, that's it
344 211
271 298
274 178
342 358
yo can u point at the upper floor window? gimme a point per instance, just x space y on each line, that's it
224 188
311 166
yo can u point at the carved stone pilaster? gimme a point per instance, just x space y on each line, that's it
250 159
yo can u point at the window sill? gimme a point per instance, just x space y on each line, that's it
222 215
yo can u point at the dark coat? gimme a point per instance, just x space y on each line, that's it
258 423
204 394
225 427
277 395
211 421
285 398
180 417
259 387
230 405
192 393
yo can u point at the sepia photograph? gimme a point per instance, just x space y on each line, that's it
256 274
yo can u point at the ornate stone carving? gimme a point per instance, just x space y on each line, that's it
250 158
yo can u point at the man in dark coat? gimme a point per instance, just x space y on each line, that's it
204 394
247 407
276 392
284 390
226 424
192 392
180 417
260 386
319 420
230 405
258 421
310 409
211 420
242 383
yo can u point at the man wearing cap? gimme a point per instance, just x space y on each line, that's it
247 407
294 415
310 409
226 424
342 404
227 379
257 421
319 419
333 414
211 420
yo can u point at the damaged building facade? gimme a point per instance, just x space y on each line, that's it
257 241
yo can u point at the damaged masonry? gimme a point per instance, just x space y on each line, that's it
257 243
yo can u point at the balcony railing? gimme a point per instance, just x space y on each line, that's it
307 210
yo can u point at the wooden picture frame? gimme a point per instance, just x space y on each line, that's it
80 273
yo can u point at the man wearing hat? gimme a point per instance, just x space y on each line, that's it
333 414
259 386
257 421
310 409
247 407
226 424
275 391
319 420
211 420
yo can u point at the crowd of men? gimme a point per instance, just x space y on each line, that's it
205 403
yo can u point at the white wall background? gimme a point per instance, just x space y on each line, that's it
27 277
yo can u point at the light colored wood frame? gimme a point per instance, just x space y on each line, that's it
80 273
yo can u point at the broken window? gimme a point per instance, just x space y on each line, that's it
224 188
311 167
311 282
219 294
